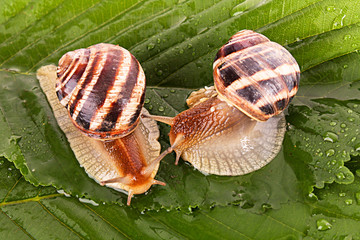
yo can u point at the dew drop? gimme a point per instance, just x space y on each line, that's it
357 147
338 21
150 107
343 125
150 46
147 100
350 111
330 152
340 175
331 137
353 139
161 109
357 172
357 197
158 40
345 66
342 194
351 119
172 90
2 161
347 37
348 201
323 225
332 123
330 8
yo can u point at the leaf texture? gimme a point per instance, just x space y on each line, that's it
176 41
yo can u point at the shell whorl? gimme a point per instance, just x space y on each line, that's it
256 75
103 89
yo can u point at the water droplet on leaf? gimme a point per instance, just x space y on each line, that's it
347 37
330 8
150 46
330 152
340 175
357 197
331 137
348 201
357 147
323 224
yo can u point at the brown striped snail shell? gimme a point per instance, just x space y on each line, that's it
102 88
257 76
239 127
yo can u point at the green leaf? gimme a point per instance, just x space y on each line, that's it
176 41
29 212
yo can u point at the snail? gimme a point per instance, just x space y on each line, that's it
238 125
102 88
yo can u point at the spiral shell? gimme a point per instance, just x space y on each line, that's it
103 89
256 75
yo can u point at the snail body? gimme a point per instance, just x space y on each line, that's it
102 88
237 126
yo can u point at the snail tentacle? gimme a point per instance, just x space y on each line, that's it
163 119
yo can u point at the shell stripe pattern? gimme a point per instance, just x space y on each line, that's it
103 88
259 75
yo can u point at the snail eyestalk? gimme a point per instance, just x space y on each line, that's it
163 119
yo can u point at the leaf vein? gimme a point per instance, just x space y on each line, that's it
61 222
12 188
106 221
17 225
226 226
57 27
104 24
26 29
